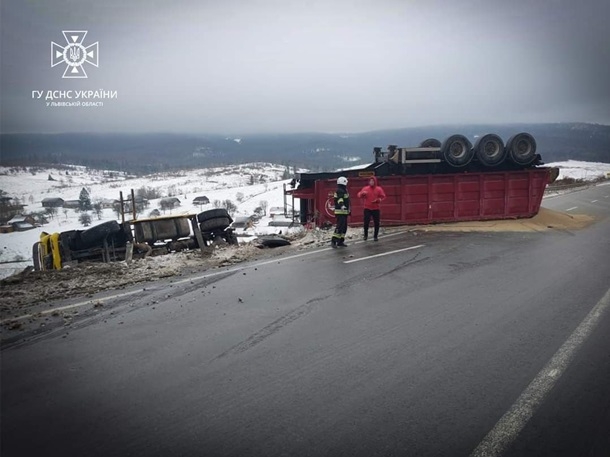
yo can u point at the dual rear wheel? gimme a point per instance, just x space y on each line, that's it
489 149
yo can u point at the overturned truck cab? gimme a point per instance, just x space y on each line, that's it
437 182
111 241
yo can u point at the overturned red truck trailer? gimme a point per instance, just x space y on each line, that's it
438 182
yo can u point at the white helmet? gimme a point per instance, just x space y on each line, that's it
342 180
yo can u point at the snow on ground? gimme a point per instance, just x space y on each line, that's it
246 185
586 171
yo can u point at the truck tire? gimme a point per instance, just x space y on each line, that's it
521 148
95 235
272 241
215 224
213 214
489 150
37 256
430 143
457 151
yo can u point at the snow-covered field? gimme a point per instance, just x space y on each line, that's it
246 185
586 171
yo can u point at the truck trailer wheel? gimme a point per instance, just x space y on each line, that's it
216 224
489 150
213 214
521 148
457 151
430 143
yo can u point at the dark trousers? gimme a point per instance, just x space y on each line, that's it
341 229
368 213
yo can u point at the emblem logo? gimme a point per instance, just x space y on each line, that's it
329 206
74 54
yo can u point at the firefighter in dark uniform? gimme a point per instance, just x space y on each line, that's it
341 212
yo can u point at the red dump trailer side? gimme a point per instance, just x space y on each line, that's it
433 198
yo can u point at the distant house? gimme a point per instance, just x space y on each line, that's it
71 204
22 226
22 223
52 202
203 200
109 202
23 219
169 202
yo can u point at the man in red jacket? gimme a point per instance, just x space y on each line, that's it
372 195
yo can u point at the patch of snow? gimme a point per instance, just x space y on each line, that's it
586 171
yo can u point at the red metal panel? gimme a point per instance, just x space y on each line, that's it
423 199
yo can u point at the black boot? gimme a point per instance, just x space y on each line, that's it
333 243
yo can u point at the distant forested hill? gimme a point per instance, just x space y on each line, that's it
143 153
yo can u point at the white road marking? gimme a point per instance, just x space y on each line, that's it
573 207
279 259
593 201
384 253
514 420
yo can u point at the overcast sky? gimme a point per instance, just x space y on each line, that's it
245 66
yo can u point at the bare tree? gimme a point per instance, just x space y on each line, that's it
51 211
172 191
229 206
264 204
149 193
97 209
165 205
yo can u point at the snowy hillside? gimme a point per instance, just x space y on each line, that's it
246 185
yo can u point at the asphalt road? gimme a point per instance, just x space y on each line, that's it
429 344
